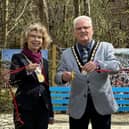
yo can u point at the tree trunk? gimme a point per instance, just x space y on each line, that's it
86 7
5 28
76 7
43 12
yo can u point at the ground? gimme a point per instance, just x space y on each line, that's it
119 121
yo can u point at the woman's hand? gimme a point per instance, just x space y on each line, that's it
31 67
51 120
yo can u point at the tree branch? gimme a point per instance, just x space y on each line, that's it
18 18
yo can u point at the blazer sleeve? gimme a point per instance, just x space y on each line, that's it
61 68
110 61
17 63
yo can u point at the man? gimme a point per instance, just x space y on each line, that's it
91 98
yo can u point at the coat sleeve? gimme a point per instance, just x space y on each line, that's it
63 66
110 61
16 64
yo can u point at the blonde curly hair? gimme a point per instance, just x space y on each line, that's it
39 28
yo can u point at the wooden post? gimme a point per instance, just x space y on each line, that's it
53 64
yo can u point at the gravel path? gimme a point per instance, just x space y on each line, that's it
119 121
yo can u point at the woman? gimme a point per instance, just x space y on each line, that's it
33 108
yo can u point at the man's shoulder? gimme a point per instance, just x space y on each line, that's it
105 43
67 50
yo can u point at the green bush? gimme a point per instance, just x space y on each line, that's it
5 101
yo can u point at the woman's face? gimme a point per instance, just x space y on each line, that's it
35 40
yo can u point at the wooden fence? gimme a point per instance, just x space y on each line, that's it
60 98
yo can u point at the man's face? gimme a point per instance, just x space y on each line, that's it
83 31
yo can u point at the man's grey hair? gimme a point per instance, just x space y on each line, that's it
81 17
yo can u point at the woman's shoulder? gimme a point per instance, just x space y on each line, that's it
17 55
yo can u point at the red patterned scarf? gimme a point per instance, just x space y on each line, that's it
34 57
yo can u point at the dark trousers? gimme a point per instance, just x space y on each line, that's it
37 118
97 121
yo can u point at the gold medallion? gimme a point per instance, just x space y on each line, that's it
78 60
40 78
39 74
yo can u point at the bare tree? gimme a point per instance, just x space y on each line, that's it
86 7
18 18
43 11
6 3
76 7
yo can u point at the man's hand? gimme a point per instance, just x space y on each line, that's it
67 76
89 67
